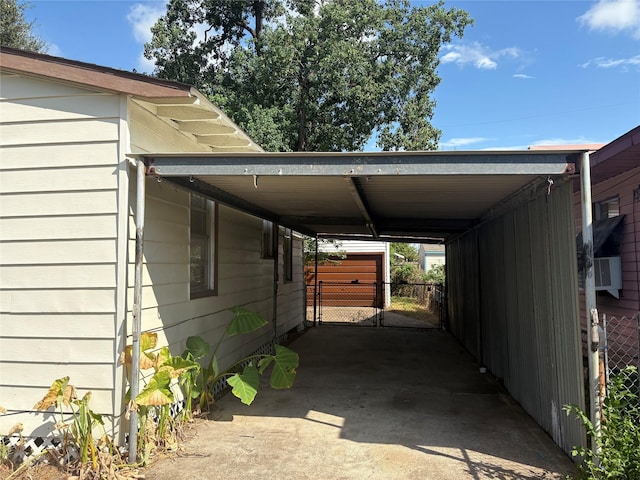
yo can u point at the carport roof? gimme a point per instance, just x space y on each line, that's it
391 196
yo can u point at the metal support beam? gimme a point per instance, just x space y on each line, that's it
223 197
425 225
322 220
369 164
593 339
137 309
431 239
358 195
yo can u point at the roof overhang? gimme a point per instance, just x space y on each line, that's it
619 156
392 196
181 106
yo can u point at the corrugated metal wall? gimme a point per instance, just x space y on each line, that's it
513 302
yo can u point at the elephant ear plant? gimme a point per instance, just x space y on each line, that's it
201 381
197 373
76 422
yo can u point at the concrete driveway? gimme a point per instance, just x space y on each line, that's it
372 404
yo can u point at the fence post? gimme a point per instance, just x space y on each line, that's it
376 303
606 349
603 367
319 302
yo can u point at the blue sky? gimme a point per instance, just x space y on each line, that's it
542 72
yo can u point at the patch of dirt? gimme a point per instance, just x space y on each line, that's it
33 472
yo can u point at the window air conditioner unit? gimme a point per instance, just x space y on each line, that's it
607 272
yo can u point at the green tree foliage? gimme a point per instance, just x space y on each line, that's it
406 273
15 30
435 274
403 252
328 251
303 75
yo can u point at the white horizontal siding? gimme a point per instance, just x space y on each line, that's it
161 274
59 210
354 246
59 276
49 325
51 132
30 157
291 295
58 301
244 278
59 227
60 108
52 203
57 252
56 350
59 180
39 374
18 87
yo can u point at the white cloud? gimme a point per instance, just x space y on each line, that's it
462 142
602 62
142 17
145 65
478 55
522 75
613 16
54 50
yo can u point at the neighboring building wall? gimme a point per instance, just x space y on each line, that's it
513 304
627 188
62 291
430 255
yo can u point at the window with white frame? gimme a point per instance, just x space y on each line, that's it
608 208
203 247
287 252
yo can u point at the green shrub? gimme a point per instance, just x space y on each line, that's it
619 440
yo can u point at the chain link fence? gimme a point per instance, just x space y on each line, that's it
411 305
416 305
621 347
352 303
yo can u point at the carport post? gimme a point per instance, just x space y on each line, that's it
593 339
315 285
275 240
137 300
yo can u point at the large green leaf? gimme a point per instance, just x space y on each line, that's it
198 347
285 363
245 384
177 366
148 341
264 363
213 366
244 321
162 357
157 391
